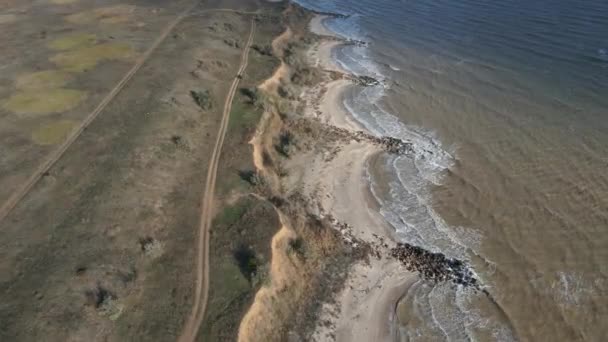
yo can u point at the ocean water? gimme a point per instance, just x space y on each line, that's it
507 105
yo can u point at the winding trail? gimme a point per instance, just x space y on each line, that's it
202 263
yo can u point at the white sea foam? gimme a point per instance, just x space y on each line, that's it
408 205
408 208
571 289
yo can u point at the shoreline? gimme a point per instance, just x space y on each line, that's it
367 305
325 180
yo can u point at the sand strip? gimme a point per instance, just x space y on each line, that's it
366 306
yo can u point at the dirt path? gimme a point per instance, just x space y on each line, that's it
202 263
24 188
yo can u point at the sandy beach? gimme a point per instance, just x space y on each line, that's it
366 307
331 177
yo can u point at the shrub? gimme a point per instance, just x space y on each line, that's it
202 98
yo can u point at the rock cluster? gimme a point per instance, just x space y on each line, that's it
366 81
331 14
396 146
389 144
356 42
435 267
322 132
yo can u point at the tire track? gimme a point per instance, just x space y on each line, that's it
24 188
202 263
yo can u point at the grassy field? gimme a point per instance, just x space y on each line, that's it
103 246
244 224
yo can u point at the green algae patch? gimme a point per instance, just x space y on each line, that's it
44 101
88 57
53 133
73 41
43 79
104 14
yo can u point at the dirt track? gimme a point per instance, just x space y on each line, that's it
24 188
202 263
18 195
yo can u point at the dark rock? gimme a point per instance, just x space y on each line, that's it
435 267
368 81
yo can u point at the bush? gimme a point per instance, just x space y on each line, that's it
265 50
251 94
246 260
284 145
297 246
202 98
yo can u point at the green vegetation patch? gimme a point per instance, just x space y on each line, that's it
231 214
73 41
234 284
53 133
44 101
88 57
202 98
43 79
243 114
239 253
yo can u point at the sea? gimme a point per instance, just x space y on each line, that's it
506 103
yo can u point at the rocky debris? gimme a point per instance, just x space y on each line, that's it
362 80
331 14
395 146
389 144
365 81
345 230
356 42
435 267
319 132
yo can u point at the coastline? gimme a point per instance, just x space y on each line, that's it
368 302
325 179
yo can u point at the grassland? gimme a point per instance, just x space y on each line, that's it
244 224
103 246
